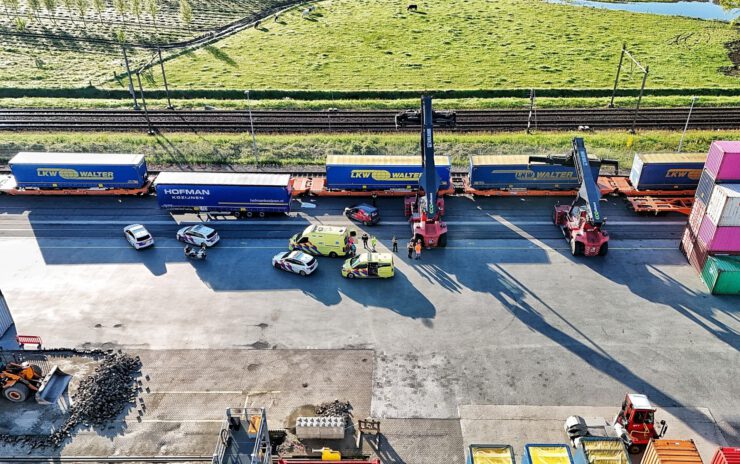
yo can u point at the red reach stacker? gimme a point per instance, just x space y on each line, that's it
426 211
581 221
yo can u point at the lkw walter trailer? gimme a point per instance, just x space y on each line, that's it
240 194
59 171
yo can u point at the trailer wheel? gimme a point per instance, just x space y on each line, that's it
576 247
18 393
634 449
262 214
249 214
442 242
604 249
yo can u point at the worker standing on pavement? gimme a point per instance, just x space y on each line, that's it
375 199
364 240
373 242
394 242
410 248
417 249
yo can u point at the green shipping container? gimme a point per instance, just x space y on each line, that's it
722 275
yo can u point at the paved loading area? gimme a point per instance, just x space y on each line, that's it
503 316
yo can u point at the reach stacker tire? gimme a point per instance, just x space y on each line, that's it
18 393
604 249
442 242
576 247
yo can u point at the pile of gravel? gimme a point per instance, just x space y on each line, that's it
335 408
100 398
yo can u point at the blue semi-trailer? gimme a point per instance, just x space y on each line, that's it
667 171
516 172
78 170
352 172
243 194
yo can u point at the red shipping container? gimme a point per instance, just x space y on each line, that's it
727 455
719 239
687 243
697 214
698 253
723 161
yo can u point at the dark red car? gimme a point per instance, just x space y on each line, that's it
364 213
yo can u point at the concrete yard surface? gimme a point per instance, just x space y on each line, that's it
503 316
519 425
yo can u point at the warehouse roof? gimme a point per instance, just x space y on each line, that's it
382 160
222 178
104 159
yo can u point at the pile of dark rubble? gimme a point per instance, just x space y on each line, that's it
100 398
335 408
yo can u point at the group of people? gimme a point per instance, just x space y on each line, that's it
370 243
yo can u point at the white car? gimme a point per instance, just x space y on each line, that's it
198 235
296 262
138 236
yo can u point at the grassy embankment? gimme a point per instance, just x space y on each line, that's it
473 44
290 150
361 45
368 104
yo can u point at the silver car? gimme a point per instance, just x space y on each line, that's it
295 262
198 235
137 236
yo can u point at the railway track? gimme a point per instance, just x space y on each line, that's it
358 121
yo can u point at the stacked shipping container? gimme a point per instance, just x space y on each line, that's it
711 241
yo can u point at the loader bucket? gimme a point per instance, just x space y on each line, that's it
53 386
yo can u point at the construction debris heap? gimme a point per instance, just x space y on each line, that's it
100 398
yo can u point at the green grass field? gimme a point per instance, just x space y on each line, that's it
289 150
368 104
460 44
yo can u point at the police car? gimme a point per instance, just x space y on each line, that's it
296 262
137 236
198 235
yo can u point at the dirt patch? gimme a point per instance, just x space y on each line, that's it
733 52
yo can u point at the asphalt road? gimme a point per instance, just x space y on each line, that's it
504 315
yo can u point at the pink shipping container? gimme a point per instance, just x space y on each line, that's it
727 455
724 206
723 161
719 239
697 214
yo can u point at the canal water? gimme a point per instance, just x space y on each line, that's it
696 9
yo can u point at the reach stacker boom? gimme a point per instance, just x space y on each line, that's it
426 211
581 222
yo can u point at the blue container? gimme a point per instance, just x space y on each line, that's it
547 454
78 170
227 192
348 172
515 172
667 171
705 187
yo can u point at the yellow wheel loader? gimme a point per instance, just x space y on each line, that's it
21 381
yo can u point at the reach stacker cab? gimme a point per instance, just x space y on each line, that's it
635 422
581 221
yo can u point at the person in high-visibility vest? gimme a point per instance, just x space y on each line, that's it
417 249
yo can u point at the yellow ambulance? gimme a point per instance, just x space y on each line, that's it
320 240
369 265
